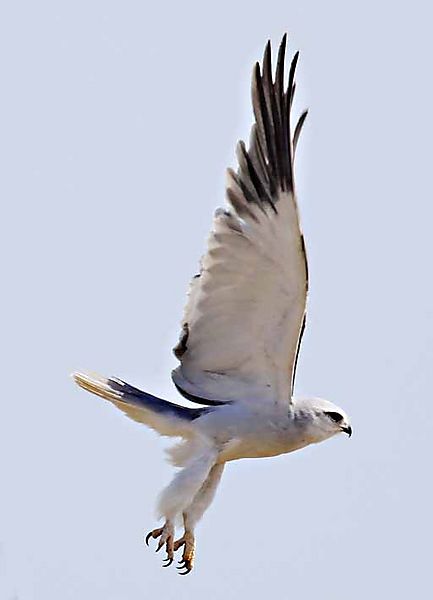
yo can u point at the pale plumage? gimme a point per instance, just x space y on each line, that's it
242 323
241 329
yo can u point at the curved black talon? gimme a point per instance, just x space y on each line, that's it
186 572
148 536
170 560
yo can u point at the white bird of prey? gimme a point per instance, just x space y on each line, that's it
241 330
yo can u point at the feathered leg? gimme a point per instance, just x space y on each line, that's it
192 515
179 494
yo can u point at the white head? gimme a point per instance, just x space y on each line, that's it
325 419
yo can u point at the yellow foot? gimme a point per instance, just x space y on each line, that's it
188 541
166 533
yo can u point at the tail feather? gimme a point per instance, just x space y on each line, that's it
165 417
97 385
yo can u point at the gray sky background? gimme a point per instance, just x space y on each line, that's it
118 120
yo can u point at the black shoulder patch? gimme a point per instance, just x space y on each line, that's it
198 399
181 347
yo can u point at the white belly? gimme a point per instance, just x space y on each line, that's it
241 433
247 448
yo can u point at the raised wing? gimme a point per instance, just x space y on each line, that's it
244 317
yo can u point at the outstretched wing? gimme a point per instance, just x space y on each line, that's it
245 312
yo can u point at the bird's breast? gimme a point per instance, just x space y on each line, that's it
260 447
255 436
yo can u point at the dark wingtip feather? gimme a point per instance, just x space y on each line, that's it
298 129
267 167
279 74
267 63
290 86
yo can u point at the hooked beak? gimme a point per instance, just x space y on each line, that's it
347 430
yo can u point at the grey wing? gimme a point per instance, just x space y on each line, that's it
245 312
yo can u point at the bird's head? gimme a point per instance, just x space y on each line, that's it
327 418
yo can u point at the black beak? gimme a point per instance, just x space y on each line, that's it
347 430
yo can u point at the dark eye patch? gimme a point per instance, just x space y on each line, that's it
335 416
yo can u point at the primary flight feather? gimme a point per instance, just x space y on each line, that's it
241 329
